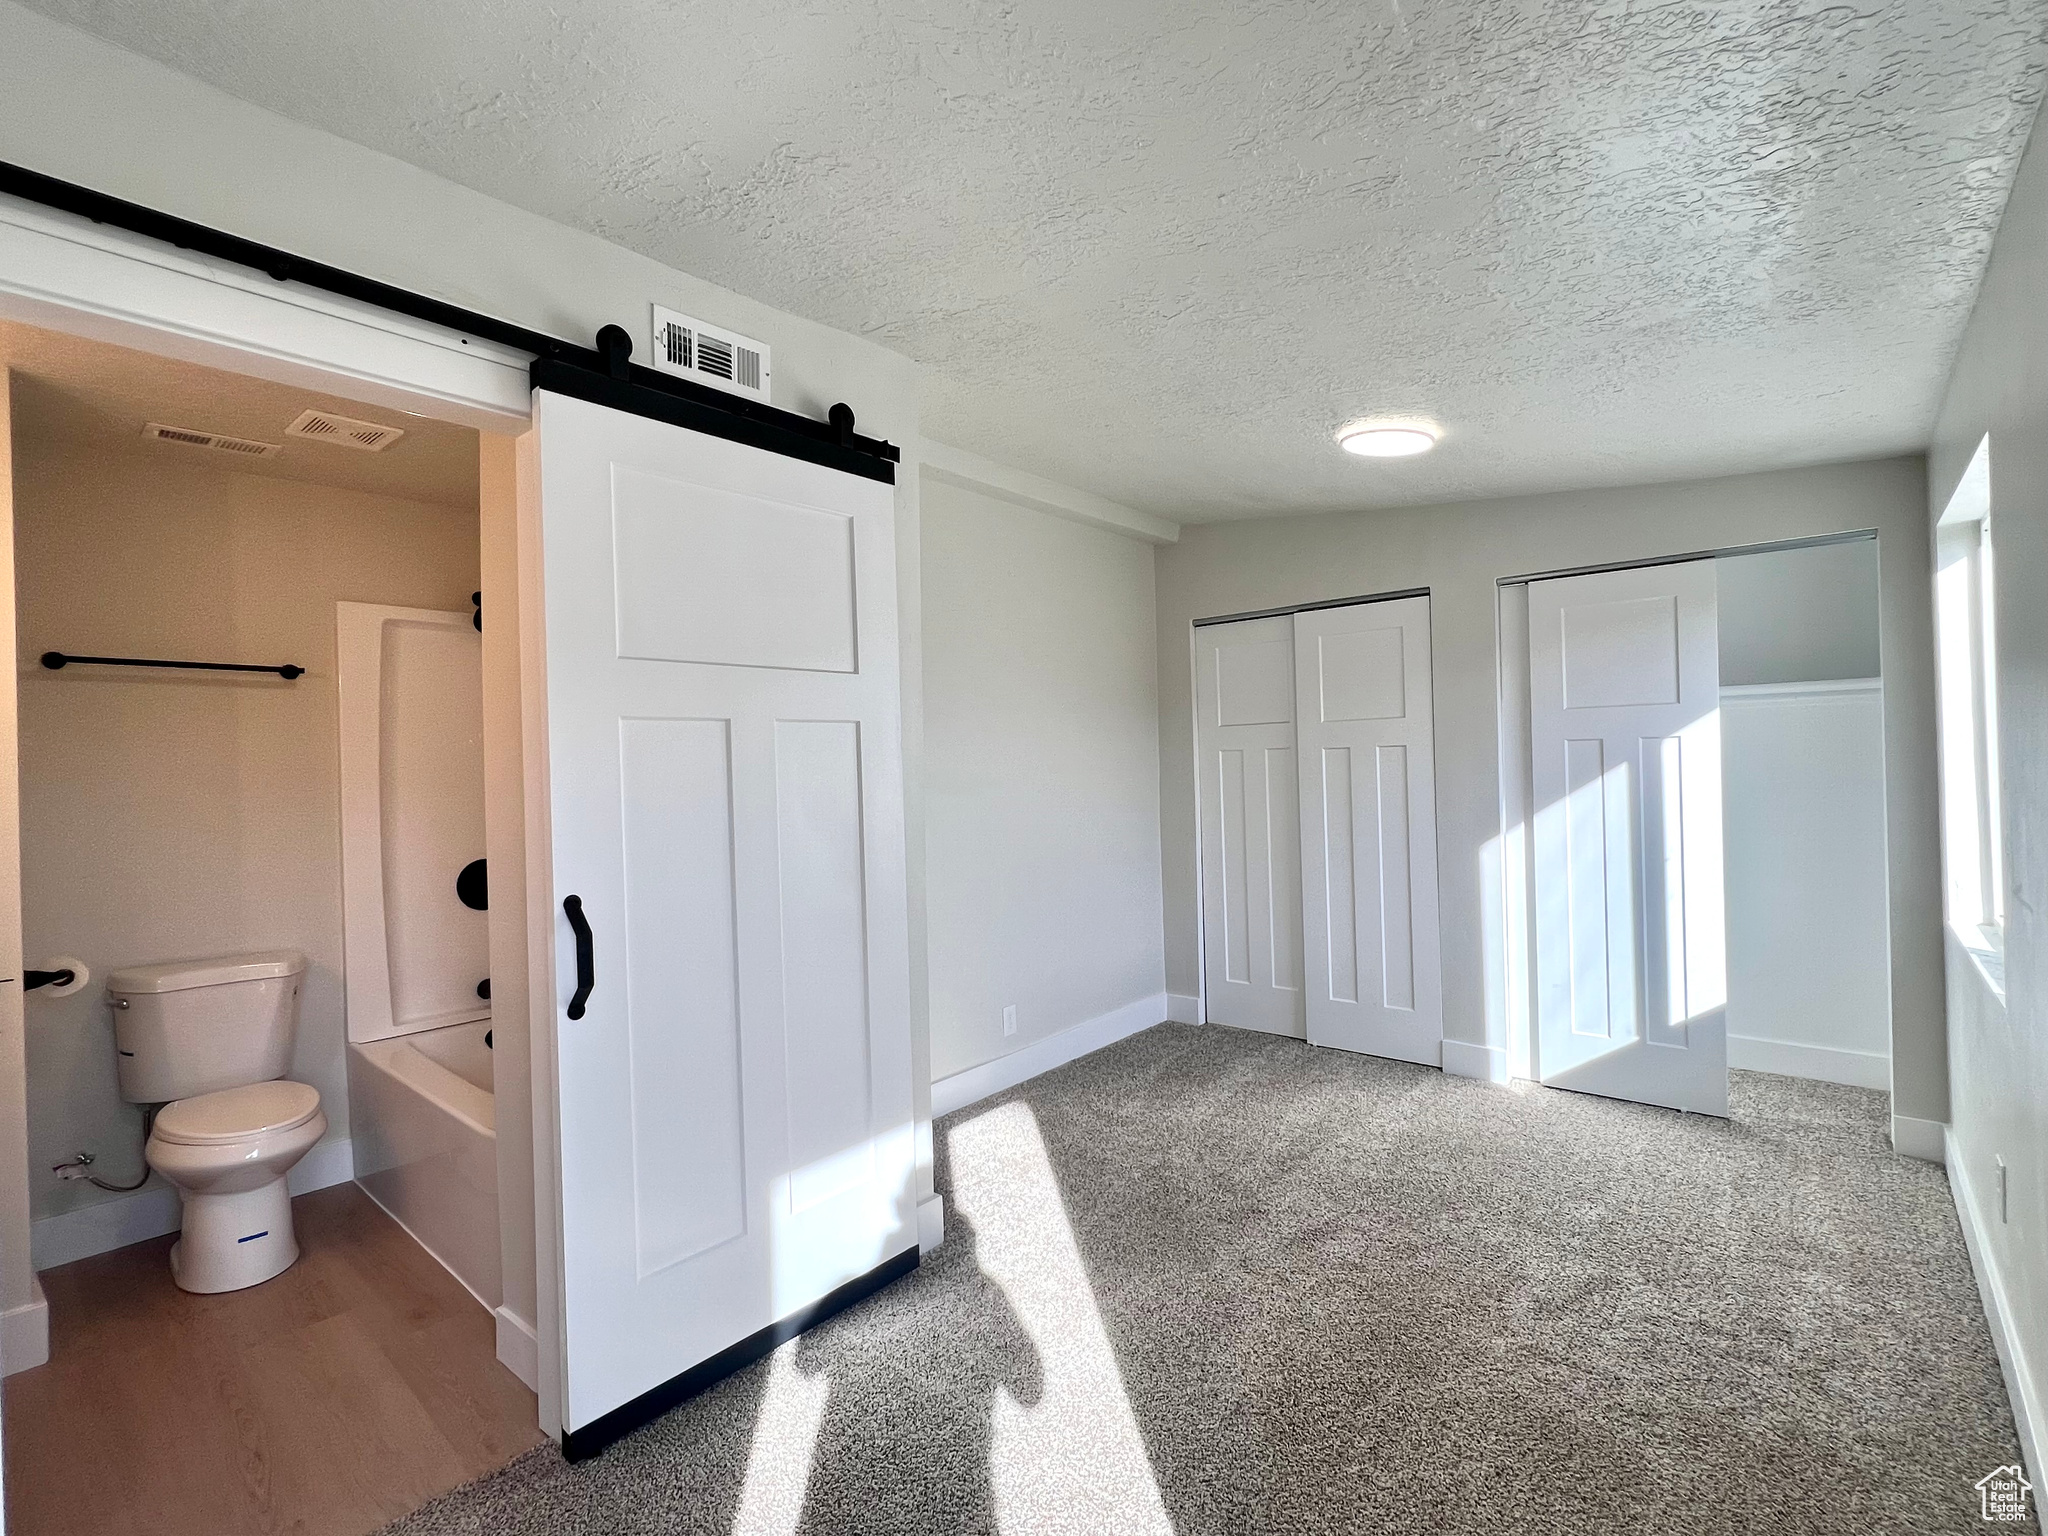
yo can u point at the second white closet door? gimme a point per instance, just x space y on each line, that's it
1251 886
1368 823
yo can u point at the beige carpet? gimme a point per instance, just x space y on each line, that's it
1214 1282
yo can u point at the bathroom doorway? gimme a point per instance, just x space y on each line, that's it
708 469
164 511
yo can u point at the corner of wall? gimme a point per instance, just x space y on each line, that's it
518 1347
910 658
1926 1140
25 1332
1044 1055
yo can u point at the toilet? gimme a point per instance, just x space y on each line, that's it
209 1041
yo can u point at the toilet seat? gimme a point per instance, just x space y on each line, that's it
237 1114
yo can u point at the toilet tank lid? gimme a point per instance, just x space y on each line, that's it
177 975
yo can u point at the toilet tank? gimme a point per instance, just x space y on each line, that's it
193 1026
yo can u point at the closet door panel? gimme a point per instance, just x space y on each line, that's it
1251 891
1368 837
1625 762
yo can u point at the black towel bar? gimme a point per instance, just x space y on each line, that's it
56 659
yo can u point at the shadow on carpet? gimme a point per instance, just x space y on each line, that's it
1207 1281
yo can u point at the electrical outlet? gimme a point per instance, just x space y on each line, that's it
1010 1025
2001 1190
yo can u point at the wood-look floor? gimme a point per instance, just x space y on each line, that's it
350 1389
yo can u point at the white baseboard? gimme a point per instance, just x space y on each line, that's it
1182 1009
931 1222
103 1226
977 1083
25 1333
1998 1312
153 1210
1488 1063
518 1348
1824 1064
1924 1139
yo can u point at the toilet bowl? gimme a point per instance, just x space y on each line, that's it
228 1153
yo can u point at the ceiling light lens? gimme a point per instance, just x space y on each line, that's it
1386 442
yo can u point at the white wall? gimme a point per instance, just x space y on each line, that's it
1802 772
1802 784
1799 615
1458 551
1998 1046
505 837
168 816
24 1314
1042 775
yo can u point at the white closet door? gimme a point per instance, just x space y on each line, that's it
1626 771
734 1106
1251 890
1368 835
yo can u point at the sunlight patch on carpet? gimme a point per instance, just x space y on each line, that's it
785 1440
1075 1459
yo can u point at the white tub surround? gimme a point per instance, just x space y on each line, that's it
412 817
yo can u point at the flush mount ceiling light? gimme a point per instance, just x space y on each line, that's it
1371 440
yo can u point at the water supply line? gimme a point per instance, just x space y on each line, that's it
80 1167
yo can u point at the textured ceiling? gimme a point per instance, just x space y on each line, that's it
80 395
1159 251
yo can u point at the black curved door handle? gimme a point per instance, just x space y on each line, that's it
586 957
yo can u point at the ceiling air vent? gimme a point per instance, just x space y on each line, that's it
246 447
344 431
724 359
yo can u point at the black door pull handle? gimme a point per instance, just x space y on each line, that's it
586 958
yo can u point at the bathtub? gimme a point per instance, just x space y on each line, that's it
421 1114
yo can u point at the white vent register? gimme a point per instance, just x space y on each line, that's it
344 431
709 354
192 437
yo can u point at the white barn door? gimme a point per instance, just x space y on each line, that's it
732 1044
1251 885
1626 770
1368 829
